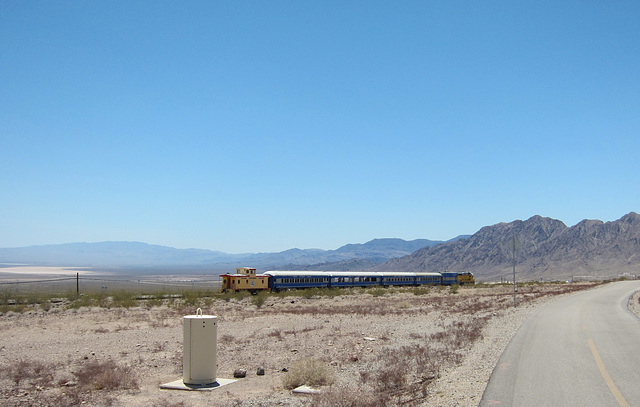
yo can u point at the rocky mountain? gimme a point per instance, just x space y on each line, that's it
137 254
546 249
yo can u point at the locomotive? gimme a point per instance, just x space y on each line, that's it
246 279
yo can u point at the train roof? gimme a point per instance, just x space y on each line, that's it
303 273
242 275
293 273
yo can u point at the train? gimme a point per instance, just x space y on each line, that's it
246 279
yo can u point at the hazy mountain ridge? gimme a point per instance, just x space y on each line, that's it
109 254
137 254
548 249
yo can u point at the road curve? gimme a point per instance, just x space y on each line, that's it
583 350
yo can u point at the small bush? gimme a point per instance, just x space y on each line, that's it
34 372
311 372
259 299
124 299
349 397
226 338
422 290
241 295
377 292
276 333
106 376
191 298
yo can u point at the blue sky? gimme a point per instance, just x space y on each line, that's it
263 126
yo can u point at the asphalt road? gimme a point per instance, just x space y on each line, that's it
583 350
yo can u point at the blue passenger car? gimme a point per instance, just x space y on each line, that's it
353 279
428 278
449 278
283 280
398 278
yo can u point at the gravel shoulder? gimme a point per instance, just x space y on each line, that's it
357 337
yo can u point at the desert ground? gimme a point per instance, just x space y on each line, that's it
376 347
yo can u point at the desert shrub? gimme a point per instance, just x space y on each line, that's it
392 376
309 371
123 299
226 296
191 298
153 302
241 295
259 299
88 300
159 347
378 291
106 376
226 338
349 397
17 308
276 333
421 290
35 372
168 403
309 293
453 289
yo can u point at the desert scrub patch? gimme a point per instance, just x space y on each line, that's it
378 291
349 397
32 371
259 299
107 375
422 290
309 371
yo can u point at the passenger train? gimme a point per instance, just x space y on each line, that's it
246 279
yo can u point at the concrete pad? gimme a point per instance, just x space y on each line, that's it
306 390
180 385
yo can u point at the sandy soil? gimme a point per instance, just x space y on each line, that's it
430 348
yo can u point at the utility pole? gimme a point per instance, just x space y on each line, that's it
513 245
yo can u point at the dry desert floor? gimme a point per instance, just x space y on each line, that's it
377 347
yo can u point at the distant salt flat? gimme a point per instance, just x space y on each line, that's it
46 271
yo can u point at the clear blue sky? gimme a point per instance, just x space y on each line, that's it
261 126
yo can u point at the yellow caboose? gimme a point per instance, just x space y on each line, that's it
245 278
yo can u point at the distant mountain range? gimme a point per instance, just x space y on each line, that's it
546 249
141 255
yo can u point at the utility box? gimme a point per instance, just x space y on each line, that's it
199 347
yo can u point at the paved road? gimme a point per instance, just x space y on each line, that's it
583 350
